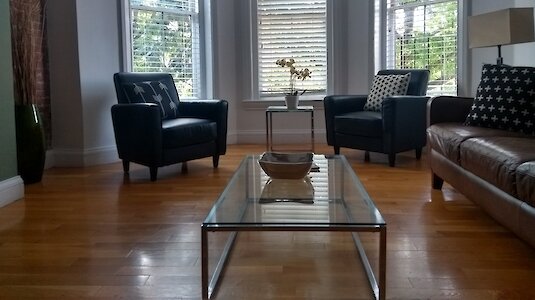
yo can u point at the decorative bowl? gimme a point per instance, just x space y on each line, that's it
286 165
288 190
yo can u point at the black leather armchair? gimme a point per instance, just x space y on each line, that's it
144 135
398 127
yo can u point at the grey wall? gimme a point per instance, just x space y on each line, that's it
84 52
8 155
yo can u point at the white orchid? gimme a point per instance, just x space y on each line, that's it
294 74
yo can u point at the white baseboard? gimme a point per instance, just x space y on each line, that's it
84 157
11 190
49 159
232 138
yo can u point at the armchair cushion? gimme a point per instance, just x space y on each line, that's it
505 99
187 131
153 92
385 86
360 123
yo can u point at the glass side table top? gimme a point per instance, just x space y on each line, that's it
332 196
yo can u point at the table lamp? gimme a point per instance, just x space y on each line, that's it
502 27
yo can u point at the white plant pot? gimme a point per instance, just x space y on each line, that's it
291 101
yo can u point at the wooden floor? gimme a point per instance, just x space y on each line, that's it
93 234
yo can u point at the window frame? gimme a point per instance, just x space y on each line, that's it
254 69
203 69
462 42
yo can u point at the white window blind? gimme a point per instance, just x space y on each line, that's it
423 34
291 29
165 38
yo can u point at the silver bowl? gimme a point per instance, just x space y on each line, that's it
286 165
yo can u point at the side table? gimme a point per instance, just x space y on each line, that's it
283 109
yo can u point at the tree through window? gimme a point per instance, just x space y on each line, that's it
165 38
423 34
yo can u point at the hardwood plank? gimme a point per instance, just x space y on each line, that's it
92 233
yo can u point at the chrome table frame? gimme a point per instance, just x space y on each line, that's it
210 283
283 109
378 285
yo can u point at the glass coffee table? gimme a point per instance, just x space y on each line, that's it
330 199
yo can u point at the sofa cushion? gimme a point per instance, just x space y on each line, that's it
154 92
385 86
505 99
525 182
360 123
446 138
187 131
495 159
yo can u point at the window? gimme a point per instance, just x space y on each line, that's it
423 34
291 29
165 38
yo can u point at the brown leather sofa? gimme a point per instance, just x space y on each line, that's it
493 168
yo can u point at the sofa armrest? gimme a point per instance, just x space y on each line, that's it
215 110
404 120
340 104
138 131
443 109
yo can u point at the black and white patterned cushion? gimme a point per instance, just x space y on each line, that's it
153 92
505 99
386 86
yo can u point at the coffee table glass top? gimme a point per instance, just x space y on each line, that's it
332 196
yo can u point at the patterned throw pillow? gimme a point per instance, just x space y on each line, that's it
153 92
505 99
386 86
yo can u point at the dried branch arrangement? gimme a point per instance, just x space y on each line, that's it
27 31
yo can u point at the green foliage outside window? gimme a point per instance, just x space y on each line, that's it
432 46
163 41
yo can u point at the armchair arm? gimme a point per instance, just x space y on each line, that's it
335 105
448 109
404 122
215 110
138 132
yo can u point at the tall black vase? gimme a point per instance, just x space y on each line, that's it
30 143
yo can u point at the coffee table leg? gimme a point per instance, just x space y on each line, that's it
378 285
209 283
204 263
382 264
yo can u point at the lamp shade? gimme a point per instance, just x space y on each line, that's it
502 27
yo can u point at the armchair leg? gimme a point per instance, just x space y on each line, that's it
215 161
126 166
367 156
418 153
392 159
336 150
184 167
153 173
437 182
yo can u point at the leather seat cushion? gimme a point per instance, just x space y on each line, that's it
495 159
446 138
187 131
360 123
525 182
